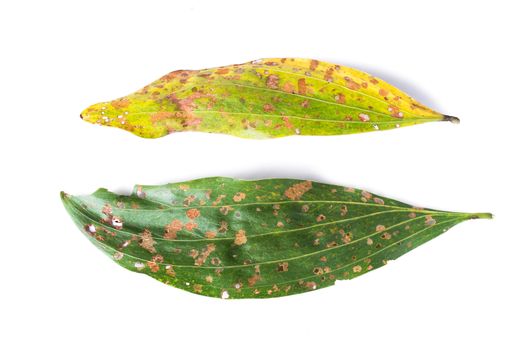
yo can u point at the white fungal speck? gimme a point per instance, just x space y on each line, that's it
400 114
92 228
224 294
118 255
397 125
297 131
116 222
126 112
376 127
120 116
187 283
139 265
237 286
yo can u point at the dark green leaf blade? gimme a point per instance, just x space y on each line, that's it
223 237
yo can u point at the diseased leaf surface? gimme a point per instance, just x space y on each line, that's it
229 238
262 99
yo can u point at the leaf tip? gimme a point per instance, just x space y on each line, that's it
481 216
64 196
449 118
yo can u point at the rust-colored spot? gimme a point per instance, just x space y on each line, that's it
340 98
226 209
289 88
193 213
272 81
254 278
189 226
172 229
154 267
268 107
318 270
147 241
202 257
328 76
238 197
283 267
240 238
296 191
222 70
351 84
383 92
313 64
210 234
160 116
121 103
302 86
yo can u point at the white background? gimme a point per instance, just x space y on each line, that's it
466 289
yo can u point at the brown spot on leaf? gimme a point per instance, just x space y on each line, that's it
289 88
224 226
429 220
238 197
302 86
210 234
296 191
340 98
162 115
240 238
189 226
154 267
202 258
121 103
321 217
357 268
254 278
225 209
380 228
283 267
378 201
351 84
313 64
193 213
272 81
328 76
383 92
147 241
222 70
172 229
268 107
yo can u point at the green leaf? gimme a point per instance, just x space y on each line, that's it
223 237
264 99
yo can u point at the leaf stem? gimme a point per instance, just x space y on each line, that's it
449 118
